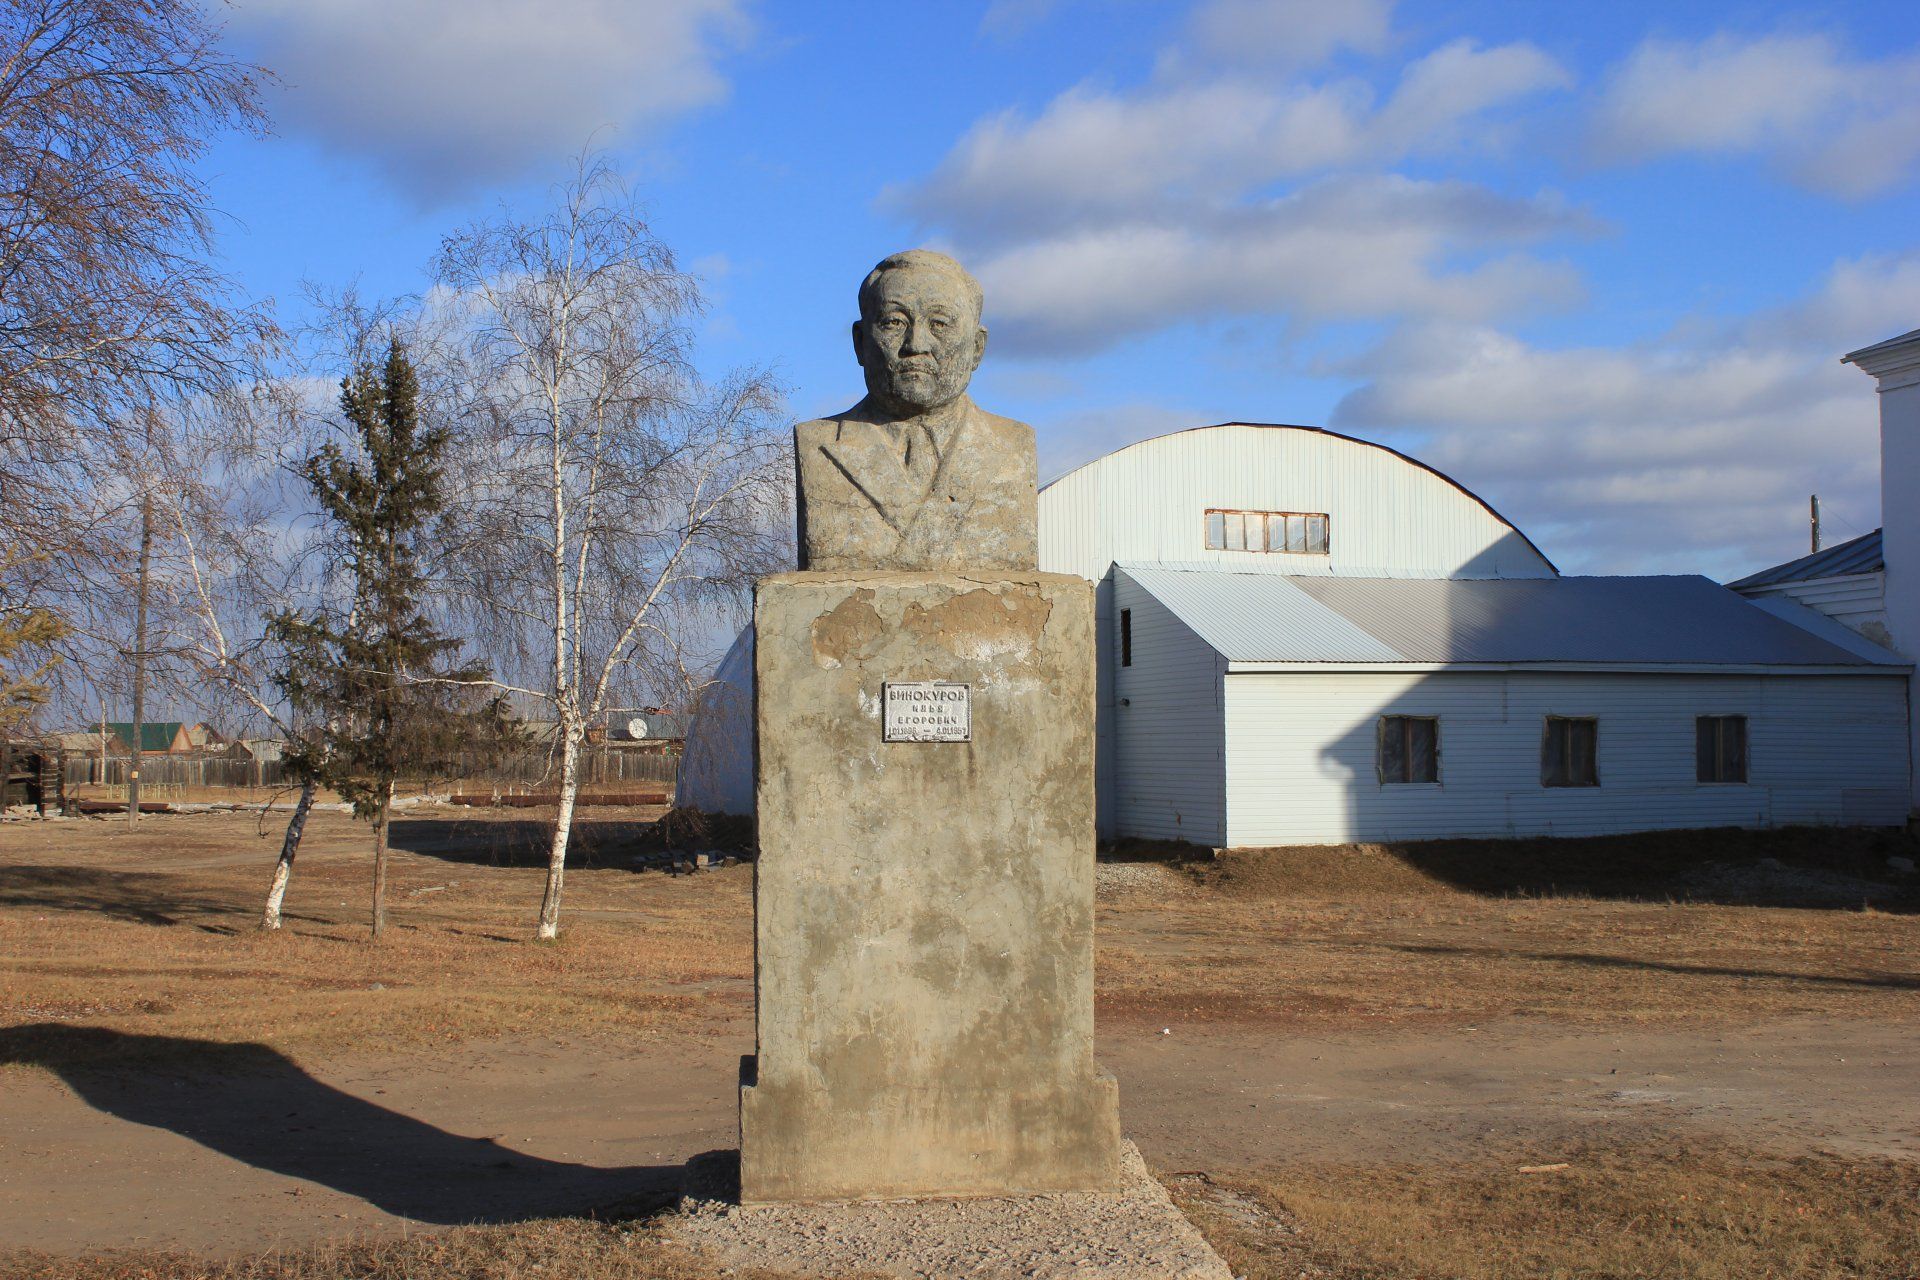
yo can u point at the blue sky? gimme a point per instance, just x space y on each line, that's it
1595 261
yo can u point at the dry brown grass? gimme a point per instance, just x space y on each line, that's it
153 934
551 1249
1689 1212
1374 935
150 935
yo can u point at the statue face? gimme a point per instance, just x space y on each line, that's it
922 341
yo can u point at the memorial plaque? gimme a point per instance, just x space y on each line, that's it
927 711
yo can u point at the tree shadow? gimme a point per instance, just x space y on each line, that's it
138 897
524 842
253 1104
1893 981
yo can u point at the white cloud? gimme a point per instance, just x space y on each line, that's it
1289 33
1684 455
1112 213
1347 248
446 95
1092 154
1834 123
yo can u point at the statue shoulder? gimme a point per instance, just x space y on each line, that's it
816 431
1007 433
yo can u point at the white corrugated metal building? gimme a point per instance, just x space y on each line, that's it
1307 638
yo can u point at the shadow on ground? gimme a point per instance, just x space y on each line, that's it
1844 868
1836 868
134 896
524 842
255 1105
1894 981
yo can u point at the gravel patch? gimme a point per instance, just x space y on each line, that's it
1112 879
1133 1234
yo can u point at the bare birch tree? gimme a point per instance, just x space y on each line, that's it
107 298
611 495
109 302
236 563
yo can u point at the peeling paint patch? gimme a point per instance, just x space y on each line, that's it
982 625
848 632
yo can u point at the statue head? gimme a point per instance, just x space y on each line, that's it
919 336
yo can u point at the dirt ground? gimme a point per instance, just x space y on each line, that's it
1415 1025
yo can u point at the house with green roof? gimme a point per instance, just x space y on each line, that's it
163 737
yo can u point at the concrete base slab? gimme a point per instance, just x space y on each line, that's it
923 905
1134 1233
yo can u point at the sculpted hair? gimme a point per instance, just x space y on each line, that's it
927 260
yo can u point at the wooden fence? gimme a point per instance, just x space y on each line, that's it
598 765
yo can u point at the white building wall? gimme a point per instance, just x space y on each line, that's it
1900 504
1168 778
716 765
1300 754
1900 516
1390 517
1856 600
1895 367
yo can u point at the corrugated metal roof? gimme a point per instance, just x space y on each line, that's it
1678 621
1828 629
1858 555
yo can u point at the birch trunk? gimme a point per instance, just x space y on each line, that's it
562 828
380 862
289 848
140 661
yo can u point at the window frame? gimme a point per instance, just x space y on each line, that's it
1719 721
1406 750
1566 754
1126 637
1266 523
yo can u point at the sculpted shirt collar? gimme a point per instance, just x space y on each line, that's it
897 464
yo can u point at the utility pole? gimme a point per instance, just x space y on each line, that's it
1813 519
140 660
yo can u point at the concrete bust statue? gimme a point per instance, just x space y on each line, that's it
917 476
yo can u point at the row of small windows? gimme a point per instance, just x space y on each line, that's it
1569 750
1294 532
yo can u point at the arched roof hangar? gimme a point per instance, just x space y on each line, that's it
1388 515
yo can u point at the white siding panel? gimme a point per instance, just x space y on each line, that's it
1300 754
1169 755
1390 517
1857 600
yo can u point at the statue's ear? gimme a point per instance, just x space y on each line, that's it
859 343
979 345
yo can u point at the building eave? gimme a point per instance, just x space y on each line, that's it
1895 362
1600 668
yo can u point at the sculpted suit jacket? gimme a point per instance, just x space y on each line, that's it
877 495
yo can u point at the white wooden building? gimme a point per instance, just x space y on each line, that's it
1307 638
1261 709
1847 582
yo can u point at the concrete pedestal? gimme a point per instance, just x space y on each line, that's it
923 911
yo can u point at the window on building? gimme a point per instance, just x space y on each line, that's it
1720 748
1126 637
1292 532
1409 749
1570 753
